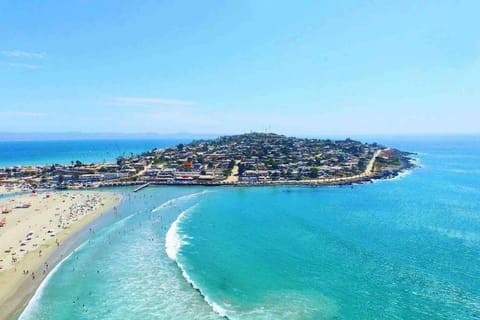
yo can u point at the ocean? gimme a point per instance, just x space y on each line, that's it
407 248
13 153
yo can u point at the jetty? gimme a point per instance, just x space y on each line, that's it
143 186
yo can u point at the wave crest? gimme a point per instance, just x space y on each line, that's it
174 200
173 239
173 243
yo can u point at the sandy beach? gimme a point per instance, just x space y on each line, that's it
36 225
11 189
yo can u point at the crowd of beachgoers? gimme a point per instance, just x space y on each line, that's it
32 226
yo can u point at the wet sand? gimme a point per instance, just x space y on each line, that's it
35 238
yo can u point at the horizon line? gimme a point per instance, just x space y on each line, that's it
80 135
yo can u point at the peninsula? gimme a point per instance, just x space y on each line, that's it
246 159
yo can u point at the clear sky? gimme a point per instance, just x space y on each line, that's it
292 67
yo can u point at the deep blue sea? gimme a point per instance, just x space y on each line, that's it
14 153
407 248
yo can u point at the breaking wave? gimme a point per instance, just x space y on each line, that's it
32 304
175 200
174 241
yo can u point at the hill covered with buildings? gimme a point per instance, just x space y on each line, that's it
246 159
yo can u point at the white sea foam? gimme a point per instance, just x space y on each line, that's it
402 174
291 304
215 307
173 239
182 198
41 288
416 161
32 304
173 243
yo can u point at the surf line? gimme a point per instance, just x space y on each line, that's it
174 241
174 200
41 288
32 304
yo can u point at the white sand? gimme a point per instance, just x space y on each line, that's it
12 189
50 220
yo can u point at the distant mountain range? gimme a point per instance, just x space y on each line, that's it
35 136
45 136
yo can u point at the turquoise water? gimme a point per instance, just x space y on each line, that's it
14 153
408 248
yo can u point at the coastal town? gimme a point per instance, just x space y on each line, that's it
246 159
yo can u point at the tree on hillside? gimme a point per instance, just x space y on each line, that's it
313 173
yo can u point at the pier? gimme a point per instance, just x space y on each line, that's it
143 186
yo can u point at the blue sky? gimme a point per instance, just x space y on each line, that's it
296 67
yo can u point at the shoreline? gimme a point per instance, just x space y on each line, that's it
15 304
19 288
11 191
227 161
408 165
